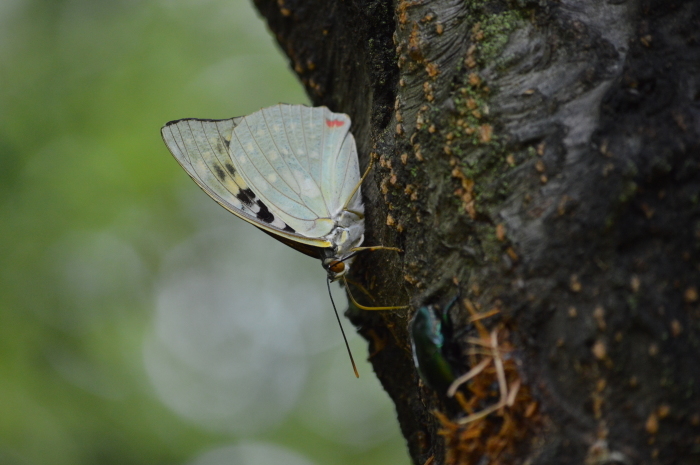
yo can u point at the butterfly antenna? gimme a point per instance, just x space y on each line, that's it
350 255
347 346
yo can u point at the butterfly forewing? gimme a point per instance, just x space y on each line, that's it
201 148
187 140
288 169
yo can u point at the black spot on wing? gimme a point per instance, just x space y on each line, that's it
227 142
288 228
231 169
264 214
246 197
219 172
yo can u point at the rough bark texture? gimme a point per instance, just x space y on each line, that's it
541 159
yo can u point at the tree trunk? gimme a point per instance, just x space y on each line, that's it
541 161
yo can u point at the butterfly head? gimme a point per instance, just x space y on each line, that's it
336 264
335 268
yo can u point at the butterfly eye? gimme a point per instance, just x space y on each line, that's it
336 267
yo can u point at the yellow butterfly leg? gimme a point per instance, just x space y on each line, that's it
360 287
362 307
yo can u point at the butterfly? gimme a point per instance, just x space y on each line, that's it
290 170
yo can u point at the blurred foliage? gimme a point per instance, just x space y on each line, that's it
91 207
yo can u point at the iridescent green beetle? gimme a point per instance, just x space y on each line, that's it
431 334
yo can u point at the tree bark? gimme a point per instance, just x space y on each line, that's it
540 160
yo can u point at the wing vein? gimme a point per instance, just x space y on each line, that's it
259 194
222 139
209 191
208 165
298 189
345 175
306 151
307 170
323 159
216 155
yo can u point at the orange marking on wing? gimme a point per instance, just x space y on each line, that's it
334 123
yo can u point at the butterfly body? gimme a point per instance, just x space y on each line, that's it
290 170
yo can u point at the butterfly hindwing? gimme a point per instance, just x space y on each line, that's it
328 149
345 175
276 176
289 155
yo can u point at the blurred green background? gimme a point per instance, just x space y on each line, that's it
140 323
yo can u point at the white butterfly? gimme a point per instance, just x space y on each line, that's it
290 170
